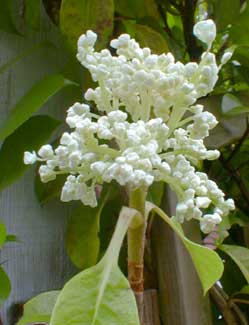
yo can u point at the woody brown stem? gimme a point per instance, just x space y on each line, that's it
136 243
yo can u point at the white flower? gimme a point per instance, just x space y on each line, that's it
206 31
125 144
29 158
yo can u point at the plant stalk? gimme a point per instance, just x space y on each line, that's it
136 243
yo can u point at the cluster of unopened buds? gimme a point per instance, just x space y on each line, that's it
149 127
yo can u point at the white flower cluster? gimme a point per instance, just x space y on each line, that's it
150 131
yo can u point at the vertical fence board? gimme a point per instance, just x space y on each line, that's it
181 299
37 262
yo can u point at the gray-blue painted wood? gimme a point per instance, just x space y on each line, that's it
38 262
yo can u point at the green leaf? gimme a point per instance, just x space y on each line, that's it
3 234
226 12
148 37
5 287
243 291
6 21
28 137
155 193
39 308
137 8
78 16
32 13
11 238
32 101
82 236
208 264
100 294
240 255
240 30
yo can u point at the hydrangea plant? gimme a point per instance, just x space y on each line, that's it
149 128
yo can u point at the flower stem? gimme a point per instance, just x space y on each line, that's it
136 243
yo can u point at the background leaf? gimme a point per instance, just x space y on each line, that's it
32 13
77 16
148 37
32 101
226 12
5 287
82 236
39 308
137 8
3 234
100 294
207 263
28 137
239 31
240 255
6 21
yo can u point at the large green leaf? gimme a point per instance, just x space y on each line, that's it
32 101
6 19
207 263
3 234
28 137
5 286
240 255
100 294
137 8
32 13
240 30
244 291
77 16
148 37
155 193
39 308
226 12
82 237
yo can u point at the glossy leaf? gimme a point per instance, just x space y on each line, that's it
32 101
32 13
137 8
155 193
240 255
240 30
28 137
3 234
226 12
77 16
148 37
5 287
6 21
39 308
82 236
244 290
208 264
100 294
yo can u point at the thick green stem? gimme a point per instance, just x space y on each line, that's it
136 243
